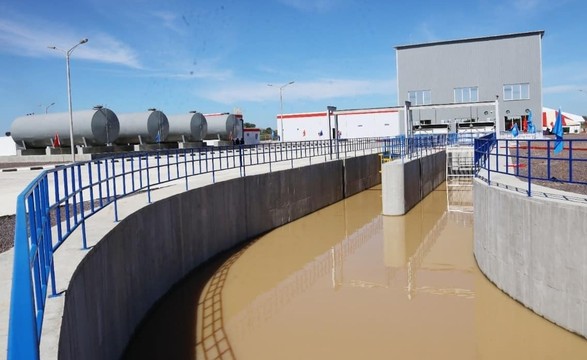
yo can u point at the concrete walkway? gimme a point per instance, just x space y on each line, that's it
69 255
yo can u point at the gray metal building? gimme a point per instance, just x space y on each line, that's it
506 68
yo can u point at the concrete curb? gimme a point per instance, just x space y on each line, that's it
29 168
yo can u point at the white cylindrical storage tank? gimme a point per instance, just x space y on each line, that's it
192 127
149 127
99 126
224 126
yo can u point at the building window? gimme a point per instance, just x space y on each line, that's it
516 92
420 97
466 94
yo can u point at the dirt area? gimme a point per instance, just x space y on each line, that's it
6 232
558 176
7 224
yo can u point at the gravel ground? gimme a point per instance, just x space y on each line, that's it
559 169
6 232
7 225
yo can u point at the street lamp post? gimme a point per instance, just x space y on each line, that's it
67 54
48 106
281 103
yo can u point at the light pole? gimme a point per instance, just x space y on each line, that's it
281 103
67 54
48 106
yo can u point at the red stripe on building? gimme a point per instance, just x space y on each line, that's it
366 112
295 116
351 112
545 123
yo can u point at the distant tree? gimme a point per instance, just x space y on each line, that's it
249 125
267 131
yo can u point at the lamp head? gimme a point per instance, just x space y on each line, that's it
83 41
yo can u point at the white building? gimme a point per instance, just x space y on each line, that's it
7 146
348 124
252 136
571 122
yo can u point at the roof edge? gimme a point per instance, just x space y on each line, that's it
475 39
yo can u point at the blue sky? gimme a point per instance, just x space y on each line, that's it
215 56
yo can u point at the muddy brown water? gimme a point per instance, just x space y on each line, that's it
348 283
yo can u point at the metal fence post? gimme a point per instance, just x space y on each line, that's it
529 157
23 340
114 190
82 207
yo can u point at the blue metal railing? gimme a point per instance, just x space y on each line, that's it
416 146
60 200
533 161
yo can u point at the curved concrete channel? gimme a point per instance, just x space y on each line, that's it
346 282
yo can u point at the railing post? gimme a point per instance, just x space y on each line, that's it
122 163
185 168
213 174
114 190
548 158
91 186
57 208
570 160
270 158
82 209
48 235
66 197
23 340
148 178
529 168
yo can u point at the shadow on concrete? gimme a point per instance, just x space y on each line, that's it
168 331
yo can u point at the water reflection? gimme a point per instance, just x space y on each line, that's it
347 282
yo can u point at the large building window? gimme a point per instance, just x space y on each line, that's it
420 97
516 91
466 94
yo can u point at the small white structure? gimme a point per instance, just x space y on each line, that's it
351 124
7 146
571 122
252 136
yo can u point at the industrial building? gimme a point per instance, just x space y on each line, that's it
494 82
342 124
506 68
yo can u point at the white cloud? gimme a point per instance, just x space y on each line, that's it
169 20
33 36
104 48
300 90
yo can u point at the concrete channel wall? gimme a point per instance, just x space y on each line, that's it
406 183
534 249
361 173
137 262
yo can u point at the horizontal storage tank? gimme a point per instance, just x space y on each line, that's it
224 126
96 127
150 127
192 127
